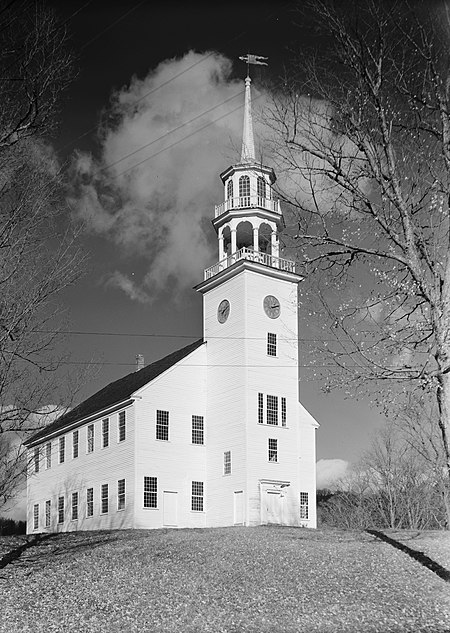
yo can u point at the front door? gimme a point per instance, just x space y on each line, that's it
273 506
170 508
239 507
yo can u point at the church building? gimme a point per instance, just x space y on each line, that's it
213 434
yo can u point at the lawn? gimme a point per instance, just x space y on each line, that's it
265 579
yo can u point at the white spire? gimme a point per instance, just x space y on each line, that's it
248 144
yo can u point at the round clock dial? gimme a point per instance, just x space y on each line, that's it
272 307
223 311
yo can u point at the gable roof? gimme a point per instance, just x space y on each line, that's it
116 391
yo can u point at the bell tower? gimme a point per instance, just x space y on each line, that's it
255 423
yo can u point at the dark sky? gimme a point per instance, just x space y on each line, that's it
114 41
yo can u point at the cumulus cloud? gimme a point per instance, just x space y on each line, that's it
330 471
153 187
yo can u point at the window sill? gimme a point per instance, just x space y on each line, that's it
198 511
144 508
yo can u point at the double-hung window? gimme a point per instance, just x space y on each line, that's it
304 505
283 411
272 410
74 506
273 450
60 509
162 425
105 498
150 492
35 516
62 449
197 496
90 438
75 444
197 429
260 408
105 433
122 427
121 494
227 463
90 502
36 459
48 513
271 344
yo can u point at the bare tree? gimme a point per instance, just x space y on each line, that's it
38 258
362 136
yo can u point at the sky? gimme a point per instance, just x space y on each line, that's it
151 119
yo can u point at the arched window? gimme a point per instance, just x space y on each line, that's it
229 189
244 191
261 189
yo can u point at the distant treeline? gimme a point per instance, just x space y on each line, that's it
9 527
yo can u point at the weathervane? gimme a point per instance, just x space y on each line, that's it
257 60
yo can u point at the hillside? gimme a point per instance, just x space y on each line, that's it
266 579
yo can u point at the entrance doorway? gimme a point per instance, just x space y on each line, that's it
170 508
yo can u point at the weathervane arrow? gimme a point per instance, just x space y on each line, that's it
258 60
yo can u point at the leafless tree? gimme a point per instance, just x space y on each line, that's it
38 258
362 138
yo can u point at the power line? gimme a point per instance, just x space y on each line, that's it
112 25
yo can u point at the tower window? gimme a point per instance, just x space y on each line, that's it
227 463
304 506
272 410
283 411
244 191
197 496
150 492
105 498
273 450
75 438
74 506
229 189
105 433
261 187
162 425
122 428
197 429
271 344
260 408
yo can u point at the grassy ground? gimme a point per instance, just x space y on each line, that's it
233 580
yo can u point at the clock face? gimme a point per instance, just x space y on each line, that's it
272 307
223 311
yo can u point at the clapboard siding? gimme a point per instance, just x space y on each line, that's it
176 463
88 470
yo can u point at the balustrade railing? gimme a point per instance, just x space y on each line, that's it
246 202
251 255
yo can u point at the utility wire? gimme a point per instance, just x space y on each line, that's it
112 25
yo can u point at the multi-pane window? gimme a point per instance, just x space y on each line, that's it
227 463
74 506
48 455
36 459
197 496
272 410
198 431
90 502
162 425
229 189
283 411
273 450
90 438
75 443
60 509
150 492
261 187
121 494
35 516
62 450
304 506
122 427
105 433
48 511
244 190
260 408
105 498
271 344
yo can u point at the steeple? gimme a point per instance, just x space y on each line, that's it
248 143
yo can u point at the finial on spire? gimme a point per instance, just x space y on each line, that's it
248 143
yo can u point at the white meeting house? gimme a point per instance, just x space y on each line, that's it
213 434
